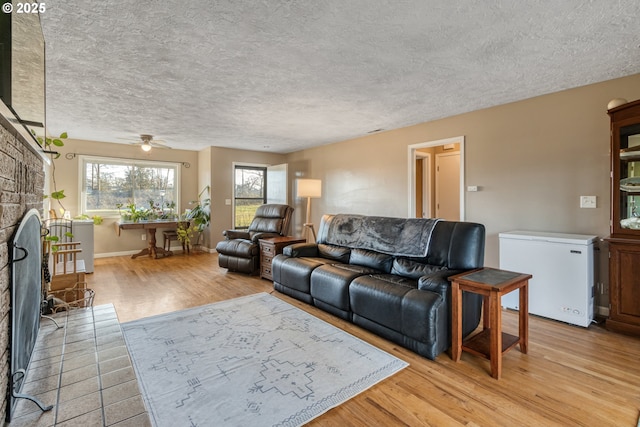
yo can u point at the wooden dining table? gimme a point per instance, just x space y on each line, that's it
151 250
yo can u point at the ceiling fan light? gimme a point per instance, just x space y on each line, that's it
146 146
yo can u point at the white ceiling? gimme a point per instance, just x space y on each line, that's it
283 75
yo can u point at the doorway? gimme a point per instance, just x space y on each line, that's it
423 184
449 148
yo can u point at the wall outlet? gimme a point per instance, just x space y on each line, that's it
144 237
587 201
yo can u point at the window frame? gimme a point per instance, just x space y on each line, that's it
253 166
108 213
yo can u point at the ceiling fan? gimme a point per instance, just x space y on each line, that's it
147 142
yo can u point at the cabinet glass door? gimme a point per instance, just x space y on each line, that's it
629 185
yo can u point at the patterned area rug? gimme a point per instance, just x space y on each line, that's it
249 361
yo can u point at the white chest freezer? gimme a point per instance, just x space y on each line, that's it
562 265
82 231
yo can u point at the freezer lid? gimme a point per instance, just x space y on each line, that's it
544 236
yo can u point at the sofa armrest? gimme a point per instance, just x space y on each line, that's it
262 235
301 249
437 281
236 234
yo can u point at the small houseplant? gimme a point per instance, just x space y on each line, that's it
198 218
132 213
48 143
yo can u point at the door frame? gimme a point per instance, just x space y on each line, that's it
426 183
411 161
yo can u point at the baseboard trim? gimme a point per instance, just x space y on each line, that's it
125 253
112 254
602 311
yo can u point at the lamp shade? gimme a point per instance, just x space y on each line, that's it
309 188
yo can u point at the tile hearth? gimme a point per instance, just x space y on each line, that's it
84 370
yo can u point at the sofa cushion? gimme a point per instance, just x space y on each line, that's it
295 272
437 281
268 225
413 269
371 259
336 253
379 298
395 303
330 285
270 218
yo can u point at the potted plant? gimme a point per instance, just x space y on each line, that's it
185 233
197 218
48 143
133 213
170 206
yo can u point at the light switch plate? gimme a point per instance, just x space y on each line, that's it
587 201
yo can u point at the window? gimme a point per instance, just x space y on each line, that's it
107 182
250 192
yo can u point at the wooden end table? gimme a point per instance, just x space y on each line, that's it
491 343
269 248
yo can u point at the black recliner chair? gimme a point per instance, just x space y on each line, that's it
241 250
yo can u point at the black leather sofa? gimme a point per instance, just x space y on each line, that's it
388 275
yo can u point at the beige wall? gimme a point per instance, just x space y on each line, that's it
221 161
105 239
531 159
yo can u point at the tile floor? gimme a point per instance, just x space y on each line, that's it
82 369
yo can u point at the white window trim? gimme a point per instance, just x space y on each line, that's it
233 185
113 213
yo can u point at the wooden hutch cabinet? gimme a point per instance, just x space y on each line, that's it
624 242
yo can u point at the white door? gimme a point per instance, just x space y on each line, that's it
448 186
277 184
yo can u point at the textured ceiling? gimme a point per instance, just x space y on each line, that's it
282 75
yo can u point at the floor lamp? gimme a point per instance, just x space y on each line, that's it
309 188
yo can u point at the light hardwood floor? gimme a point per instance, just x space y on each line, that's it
572 376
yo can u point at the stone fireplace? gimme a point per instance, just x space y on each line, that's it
21 189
